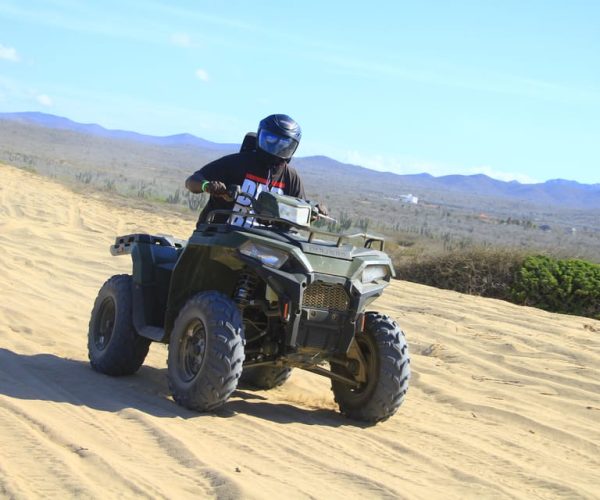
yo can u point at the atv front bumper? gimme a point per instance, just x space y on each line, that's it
320 312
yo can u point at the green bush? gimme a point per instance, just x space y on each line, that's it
565 286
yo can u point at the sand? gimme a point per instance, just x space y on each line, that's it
504 401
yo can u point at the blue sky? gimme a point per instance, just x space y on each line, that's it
506 88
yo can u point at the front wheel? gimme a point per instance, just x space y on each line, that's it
206 352
387 367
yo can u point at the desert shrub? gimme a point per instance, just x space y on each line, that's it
174 198
567 286
84 177
477 271
110 185
363 223
195 201
341 224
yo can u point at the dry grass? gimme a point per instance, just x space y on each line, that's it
487 272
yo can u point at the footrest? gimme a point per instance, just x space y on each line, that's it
152 332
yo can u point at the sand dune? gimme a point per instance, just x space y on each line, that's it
504 400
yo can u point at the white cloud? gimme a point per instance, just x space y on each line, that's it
9 54
44 100
181 40
201 75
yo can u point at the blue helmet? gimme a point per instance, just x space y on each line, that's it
279 136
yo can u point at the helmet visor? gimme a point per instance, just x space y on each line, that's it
282 147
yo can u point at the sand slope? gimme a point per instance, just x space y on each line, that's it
504 401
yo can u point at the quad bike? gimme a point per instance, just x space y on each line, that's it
248 304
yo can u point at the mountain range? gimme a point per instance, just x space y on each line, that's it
53 137
61 123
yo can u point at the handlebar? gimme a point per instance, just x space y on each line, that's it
234 191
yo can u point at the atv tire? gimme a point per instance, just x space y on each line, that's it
206 351
114 347
385 351
265 377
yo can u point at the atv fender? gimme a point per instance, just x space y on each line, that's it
153 258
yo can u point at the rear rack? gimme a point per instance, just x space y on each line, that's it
123 244
369 239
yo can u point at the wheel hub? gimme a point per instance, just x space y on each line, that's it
105 325
192 350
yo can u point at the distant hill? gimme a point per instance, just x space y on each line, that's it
454 188
60 123
55 144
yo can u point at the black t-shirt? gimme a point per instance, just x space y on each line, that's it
246 170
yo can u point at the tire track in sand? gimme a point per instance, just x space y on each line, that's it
187 464
61 465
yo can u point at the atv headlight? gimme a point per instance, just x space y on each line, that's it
299 215
269 256
374 273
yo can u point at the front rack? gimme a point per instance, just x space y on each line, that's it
369 239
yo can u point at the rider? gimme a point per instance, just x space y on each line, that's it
264 168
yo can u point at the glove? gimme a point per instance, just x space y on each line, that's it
215 188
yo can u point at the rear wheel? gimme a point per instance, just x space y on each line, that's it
387 368
265 377
206 352
114 347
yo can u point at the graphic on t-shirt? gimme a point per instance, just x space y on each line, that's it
253 185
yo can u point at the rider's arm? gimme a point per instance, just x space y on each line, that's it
212 178
296 187
196 183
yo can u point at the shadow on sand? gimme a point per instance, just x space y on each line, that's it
47 377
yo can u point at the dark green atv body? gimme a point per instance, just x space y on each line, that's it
247 304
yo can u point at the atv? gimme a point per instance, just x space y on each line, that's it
246 305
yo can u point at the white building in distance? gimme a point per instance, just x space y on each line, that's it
409 198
